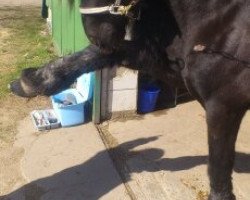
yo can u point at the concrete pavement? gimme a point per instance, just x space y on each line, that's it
165 154
65 164
159 156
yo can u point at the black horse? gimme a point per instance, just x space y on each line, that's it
202 45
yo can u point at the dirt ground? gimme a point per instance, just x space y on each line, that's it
20 2
12 109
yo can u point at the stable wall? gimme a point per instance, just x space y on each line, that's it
67 30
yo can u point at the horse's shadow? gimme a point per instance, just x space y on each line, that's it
242 162
91 180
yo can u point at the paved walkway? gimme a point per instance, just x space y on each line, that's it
161 156
66 164
166 154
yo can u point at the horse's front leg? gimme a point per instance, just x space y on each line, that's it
223 125
61 73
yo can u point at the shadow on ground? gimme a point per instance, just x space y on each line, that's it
90 180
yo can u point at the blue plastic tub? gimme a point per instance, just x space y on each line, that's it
75 114
71 114
147 98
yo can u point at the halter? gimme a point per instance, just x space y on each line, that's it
116 9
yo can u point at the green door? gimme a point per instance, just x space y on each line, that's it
69 37
67 30
68 27
56 6
81 39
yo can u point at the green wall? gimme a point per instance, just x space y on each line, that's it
69 37
67 30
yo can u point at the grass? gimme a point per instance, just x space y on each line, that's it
25 43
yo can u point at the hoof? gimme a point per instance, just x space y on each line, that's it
16 88
223 196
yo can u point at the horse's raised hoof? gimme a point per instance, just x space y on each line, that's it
221 196
17 89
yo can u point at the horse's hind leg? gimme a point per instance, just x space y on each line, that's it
223 125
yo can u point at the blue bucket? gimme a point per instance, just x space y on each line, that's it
147 98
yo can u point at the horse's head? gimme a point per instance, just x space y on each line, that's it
107 22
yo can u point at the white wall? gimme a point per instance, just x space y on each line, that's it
118 91
123 89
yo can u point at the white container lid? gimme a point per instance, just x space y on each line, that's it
85 84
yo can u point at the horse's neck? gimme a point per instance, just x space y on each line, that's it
190 13
186 11
210 22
